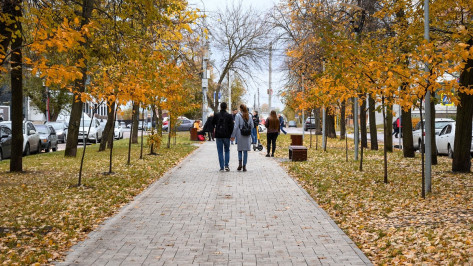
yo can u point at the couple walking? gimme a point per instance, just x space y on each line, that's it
226 130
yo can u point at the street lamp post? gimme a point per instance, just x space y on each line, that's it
428 114
205 83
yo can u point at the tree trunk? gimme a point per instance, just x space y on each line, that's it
364 133
109 127
160 121
372 118
79 87
387 135
16 161
318 124
330 120
461 148
136 119
343 126
388 141
406 133
433 143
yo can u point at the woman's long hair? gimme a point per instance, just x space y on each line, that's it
244 112
273 120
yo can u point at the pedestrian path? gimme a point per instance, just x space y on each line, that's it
198 215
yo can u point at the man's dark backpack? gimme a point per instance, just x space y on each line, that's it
245 129
221 127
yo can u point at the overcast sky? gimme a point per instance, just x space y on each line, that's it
262 78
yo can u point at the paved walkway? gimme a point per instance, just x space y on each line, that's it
197 215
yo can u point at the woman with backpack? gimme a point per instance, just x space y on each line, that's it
273 125
242 133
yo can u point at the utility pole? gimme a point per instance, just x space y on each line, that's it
205 82
324 123
303 116
229 92
270 92
428 114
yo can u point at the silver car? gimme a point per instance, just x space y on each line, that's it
48 137
31 141
61 130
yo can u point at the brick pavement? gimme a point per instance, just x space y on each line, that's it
198 215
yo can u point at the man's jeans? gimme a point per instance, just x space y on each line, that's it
223 144
254 137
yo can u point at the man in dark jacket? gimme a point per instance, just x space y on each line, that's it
222 122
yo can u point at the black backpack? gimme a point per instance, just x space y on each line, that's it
245 130
221 127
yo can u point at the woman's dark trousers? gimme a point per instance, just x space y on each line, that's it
271 140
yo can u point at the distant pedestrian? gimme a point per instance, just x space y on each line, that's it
222 123
396 127
208 127
273 125
282 124
254 134
234 113
242 133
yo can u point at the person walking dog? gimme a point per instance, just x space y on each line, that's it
242 133
273 125
222 122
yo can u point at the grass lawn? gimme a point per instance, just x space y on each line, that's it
391 223
44 213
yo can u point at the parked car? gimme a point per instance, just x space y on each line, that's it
61 130
5 142
48 137
118 131
31 141
309 123
440 123
446 139
292 123
95 134
184 124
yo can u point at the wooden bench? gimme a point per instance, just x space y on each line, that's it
297 153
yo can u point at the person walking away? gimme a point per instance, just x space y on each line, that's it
396 127
234 113
399 126
273 126
242 133
281 124
254 135
208 127
222 122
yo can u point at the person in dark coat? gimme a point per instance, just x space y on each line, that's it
222 123
208 127
273 125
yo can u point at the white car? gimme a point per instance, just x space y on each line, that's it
446 139
95 134
118 131
440 123
31 140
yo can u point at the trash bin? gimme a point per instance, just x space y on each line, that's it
194 134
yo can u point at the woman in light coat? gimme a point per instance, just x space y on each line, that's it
244 142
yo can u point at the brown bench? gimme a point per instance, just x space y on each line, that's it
297 153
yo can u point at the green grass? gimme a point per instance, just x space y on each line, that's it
44 213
